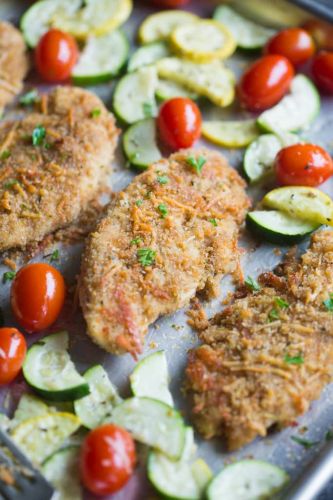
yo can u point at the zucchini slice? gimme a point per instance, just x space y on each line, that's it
168 90
260 155
134 97
305 203
148 54
248 35
231 134
152 423
247 479
150 378
203 41
39 437
29 406
159 26
278 227
94 408
295 111
211 80
101 59
62 470
5 422
140 146
49 370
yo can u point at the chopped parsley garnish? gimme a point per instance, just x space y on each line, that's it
283 304
9 184
5 154
196 163
95 113
213 221
329 435
8 276
304 442
54 256
163 179
252 284
146 256
293 360
273 314
162 208
328 303
136 241
138 203
148 109
29 98
38 135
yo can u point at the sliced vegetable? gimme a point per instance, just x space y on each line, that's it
211 80
39 437
152 423
159 26
203 41
148 54
62 470
150 378
250 479
101 59
247 34
134 97
306 203
260 155
231 134
279 227
94 408
4 422
296 110
140 145
49 370
29 406
168 90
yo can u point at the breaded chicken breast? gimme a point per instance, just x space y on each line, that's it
53 163
14 63
171 233
269 354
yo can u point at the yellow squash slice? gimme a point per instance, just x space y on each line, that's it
231 134
203 41
159 26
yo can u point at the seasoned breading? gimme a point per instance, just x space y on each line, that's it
269 354
53 164
14 63
170 234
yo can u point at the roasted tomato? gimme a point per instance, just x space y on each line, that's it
303 165
179 123
322 70
265 82
294 43
321 32
12 353
56 55
107 459
37 296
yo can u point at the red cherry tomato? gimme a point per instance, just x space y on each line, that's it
12 353
294 43
322 33
265 82
322 70
303 165
170 3
179 123
37 296
56 55
107 459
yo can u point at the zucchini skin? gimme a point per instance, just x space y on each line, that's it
273 236
64 395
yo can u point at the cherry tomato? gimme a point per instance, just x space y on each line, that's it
321 32
322 70
303 165
170 3
294 43
12 353
265 82
107 459
55 55
37 296
179 123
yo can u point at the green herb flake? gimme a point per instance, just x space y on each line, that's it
8 276
293 360
138 203
9 184
213 221
96 112
5 154
148 109
38 135
196 163
281 303
55 255
328 303
329 435
163 179
29 98
252 284
136 241
162 208
304 442
273 315
146 256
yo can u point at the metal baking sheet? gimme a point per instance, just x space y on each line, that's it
172 332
